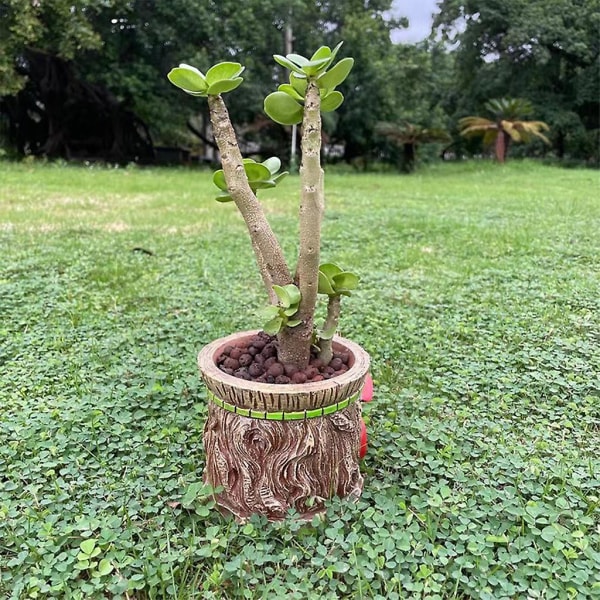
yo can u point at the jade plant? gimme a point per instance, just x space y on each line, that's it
292 294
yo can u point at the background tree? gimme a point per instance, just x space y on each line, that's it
61 28
506 125
542 49
408 137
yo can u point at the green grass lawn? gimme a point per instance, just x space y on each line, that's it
479 304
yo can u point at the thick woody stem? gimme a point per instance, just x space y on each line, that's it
331 322
311 215
269 255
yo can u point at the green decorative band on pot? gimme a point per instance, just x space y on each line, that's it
281 415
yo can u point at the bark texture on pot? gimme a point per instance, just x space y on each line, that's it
269 466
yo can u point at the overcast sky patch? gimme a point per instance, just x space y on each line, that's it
420 17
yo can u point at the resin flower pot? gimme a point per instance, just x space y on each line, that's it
274 447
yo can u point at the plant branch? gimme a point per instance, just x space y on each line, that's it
269 255
331 323
311 215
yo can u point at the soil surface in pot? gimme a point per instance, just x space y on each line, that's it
256 360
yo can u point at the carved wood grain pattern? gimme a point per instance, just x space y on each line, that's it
268 467
272 397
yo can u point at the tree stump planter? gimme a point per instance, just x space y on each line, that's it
277 447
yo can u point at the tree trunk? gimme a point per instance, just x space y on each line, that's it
408 163
501 147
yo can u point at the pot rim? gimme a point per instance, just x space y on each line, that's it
207 356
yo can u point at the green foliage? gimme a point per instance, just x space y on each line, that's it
260 176
61 27
280 315
219 79
286 105
333 281
482 475
546 50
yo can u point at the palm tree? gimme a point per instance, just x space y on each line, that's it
506 126
409 136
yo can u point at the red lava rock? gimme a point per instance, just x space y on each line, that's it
276 369
256 360
290 370
231 363
270 361
246 360
299 377
269 350
336 363
242 373
256 370
311 372
236 353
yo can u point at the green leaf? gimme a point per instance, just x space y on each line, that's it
223 71
288 312
219 180
289 295
336 75
335 51
497 539
293 293
312 67
87 546
281 176
274 326
193 491
282 294
189 79
299 84
288 64
268 313
325 285
293 323
322 52
330 269
332 101
104 567
298 59
263 184
257 171
282 109
273 164
224 197
345 281
290 91
222 87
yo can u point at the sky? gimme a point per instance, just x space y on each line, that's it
419 14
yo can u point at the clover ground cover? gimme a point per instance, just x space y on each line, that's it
478 303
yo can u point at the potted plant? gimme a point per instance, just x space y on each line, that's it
284 427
